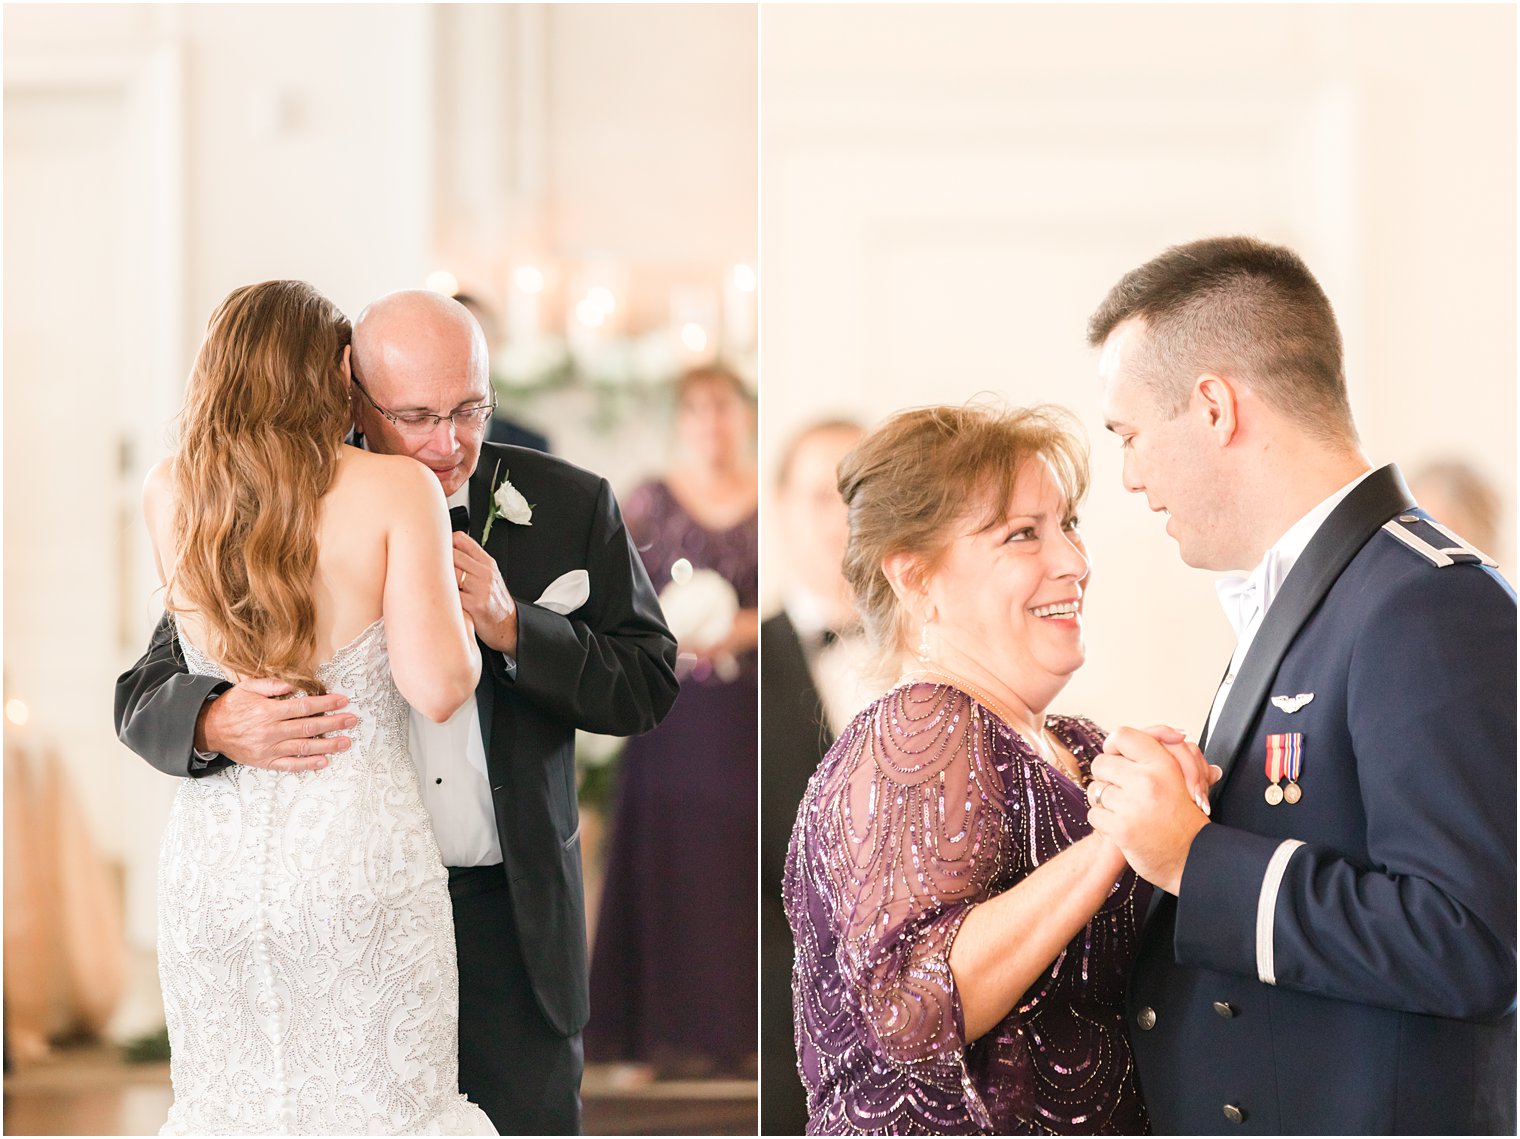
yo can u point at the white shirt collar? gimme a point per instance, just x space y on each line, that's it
1246 597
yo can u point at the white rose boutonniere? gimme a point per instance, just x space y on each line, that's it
507 503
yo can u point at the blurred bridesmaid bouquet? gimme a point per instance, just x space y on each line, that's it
700 607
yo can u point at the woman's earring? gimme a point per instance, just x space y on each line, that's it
923 642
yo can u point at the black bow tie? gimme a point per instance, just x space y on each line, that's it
459 516
815 643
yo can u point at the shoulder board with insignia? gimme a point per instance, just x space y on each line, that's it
1435 542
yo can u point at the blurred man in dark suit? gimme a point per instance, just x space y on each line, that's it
804 654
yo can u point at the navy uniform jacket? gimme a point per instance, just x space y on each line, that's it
1346 964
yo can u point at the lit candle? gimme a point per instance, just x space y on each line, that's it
523 304
442 281
739 308
596 312
693 324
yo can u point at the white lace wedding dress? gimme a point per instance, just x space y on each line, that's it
306 940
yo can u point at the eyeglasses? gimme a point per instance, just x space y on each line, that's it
419 423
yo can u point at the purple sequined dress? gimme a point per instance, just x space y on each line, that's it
925 806
674 964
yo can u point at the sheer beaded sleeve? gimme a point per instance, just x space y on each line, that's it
927 805
918 822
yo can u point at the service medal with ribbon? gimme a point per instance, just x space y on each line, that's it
1285 753
1293 759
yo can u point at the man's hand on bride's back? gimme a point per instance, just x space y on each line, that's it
259 724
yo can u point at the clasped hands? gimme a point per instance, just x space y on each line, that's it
259 723
1149 796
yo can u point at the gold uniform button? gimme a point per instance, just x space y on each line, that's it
1234 1114
1146 1018
1224 1009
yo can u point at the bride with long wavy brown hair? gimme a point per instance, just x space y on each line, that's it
306 941
265 415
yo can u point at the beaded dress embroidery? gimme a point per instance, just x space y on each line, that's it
306 939
926 805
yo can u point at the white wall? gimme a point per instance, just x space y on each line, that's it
309 143
950 191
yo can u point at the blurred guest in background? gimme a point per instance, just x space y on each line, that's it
673 968
802 648
1456 493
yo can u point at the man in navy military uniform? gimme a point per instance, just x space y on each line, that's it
1335 948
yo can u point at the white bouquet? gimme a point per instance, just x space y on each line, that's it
700 606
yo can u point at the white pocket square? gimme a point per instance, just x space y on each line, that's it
566 593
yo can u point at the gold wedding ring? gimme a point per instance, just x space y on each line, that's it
462 575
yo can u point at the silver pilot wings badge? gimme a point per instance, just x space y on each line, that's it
1291 704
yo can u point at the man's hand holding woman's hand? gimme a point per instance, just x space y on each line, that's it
1149 795
1199 774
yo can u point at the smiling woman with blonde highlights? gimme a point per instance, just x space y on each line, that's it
962 934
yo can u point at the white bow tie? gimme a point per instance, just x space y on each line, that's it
1240 597
1245 595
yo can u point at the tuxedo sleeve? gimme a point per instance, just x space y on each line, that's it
157 703
609 666
1426 922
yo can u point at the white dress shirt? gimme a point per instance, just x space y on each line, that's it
1245 599
451 763
840 670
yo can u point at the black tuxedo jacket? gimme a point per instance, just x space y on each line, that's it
607 667
794 737
1346 964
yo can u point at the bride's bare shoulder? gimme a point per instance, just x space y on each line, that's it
158 511
384 478
158 489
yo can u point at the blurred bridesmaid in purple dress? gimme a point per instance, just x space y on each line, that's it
674 963
962 934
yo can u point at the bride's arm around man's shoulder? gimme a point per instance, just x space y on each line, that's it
433 653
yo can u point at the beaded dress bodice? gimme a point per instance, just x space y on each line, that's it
306 939
927 805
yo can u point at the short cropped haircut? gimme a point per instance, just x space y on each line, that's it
910 480
1239 307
